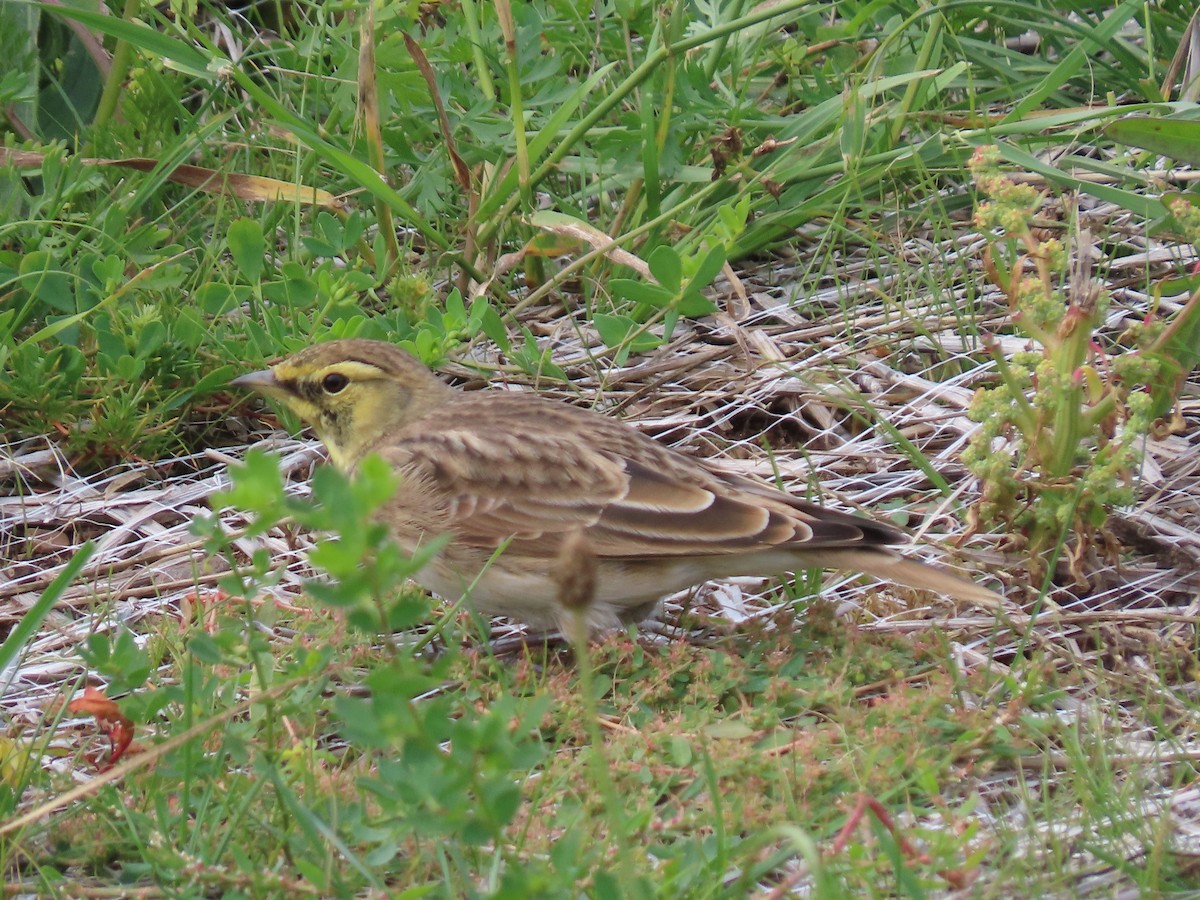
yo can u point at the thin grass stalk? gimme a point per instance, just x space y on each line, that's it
512 65
14 644
668 97
610 798
365 175
459 166
144 760
470 13
933 40
634 80
535 272
368 111
716 53
598 253
656 117
114 84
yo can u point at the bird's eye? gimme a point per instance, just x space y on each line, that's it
335 382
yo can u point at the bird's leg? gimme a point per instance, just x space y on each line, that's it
574 574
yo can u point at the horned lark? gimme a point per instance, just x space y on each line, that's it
592 516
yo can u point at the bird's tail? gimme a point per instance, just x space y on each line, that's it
913 573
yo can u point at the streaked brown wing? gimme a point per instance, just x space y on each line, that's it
631 497
682 507
488 490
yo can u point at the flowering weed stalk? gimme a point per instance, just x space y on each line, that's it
1061 434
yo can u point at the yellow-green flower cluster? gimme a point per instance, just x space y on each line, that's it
1060 434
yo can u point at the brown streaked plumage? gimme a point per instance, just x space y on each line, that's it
546 481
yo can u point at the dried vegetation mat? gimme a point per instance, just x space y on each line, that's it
1055 740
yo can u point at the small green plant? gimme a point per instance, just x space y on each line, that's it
678 275
1061 434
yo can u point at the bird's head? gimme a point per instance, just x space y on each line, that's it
353 392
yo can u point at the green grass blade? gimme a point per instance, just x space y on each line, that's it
32 620
175 54
1078 58
1140 204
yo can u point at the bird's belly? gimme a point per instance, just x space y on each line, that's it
493 592
523 588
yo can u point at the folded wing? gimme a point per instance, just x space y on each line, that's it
631 497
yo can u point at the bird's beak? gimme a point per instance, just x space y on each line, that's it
264 382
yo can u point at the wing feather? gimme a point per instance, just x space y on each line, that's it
576 472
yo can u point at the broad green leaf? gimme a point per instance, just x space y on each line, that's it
666 267
152 336
46 283
708 268
625 333
247 246
693 304
641 292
